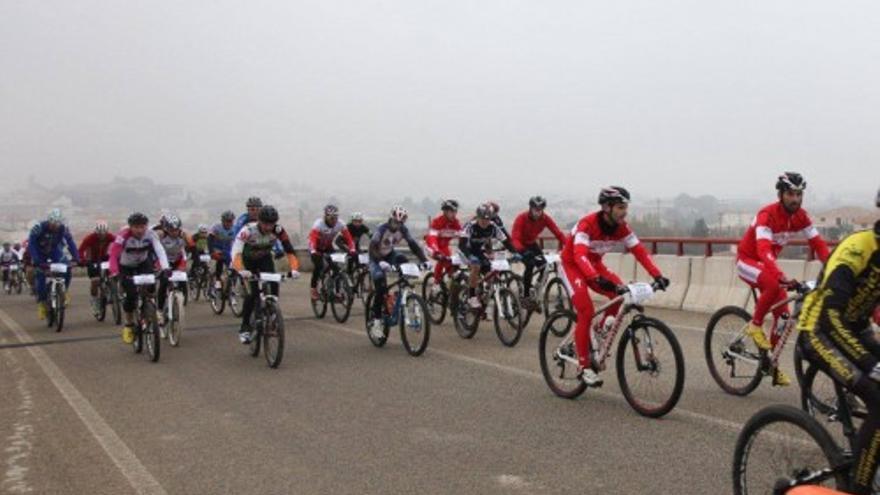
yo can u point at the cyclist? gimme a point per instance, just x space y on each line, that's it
220 244
198 246
8 257
28 264
19 251
756 264
135 251
357 229
252 251
321 238
476 242
526 229
594 235
443 229
495 208
383 256
94 249
253 206
45 244
839 339
176 243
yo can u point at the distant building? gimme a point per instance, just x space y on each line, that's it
845 218
733 220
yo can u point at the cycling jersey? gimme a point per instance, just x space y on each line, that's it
45 244
8 257
199 243
441 232
175 248
96 247
771 230
252 244
128 251
591 238
385 239
357 232
220 239
321 236
527 229
476 241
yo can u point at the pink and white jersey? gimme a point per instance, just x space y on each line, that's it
130 251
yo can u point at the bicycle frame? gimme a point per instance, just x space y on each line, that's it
776 351
607 338
405 290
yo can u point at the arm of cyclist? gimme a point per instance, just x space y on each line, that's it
292 260
554 229
349 241
413 245
71 246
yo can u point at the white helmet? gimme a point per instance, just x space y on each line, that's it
55 216
101 227
357 216
399 213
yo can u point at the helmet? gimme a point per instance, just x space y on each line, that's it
791 181
17 245
537 202
101 227
203 229
494 207
55 216
357 216
449 205
254 201
137 218
613 195
331 211
268 214
227 216
484 211
6 245
399 213
171 221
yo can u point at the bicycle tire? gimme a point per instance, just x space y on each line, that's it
319 306
713 361
59 308
341 309
424 320
368 317
514 320
273 334
547 367
151 334
176 319
466 320
630 336
435 303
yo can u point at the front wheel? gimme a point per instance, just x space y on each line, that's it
59 308
218 299
466 320
733 359
559 362
376 340
273 334
415 326
235 293
175 319
780 446
150 331
436 295
650 367
319 305
508 317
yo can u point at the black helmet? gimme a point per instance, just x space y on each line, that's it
268 214
791 181
227 216
485 212
331 211
613 195
171 221
537 202
254 201
449 205
137 218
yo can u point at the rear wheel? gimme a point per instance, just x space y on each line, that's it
273 334
558 358
415 326
508 318
466 320
436 296
733 359
650 367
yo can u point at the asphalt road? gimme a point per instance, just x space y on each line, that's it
82 414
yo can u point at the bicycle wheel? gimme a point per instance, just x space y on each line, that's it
175 321
466 320
235 294
435 296
508 318
368 319
218 301
319 306
101 314
819 398
341 297
558 359
19 283
150 333
556 298
59 308
415 326
365 285
650 367
733 359
273 334
779 447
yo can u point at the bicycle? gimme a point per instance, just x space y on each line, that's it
16 279
146 327
173 311
200 281
647 338
334 288
492 291
57 293
360 276
231 291
549 293
266 320
437 295
402 307
734 361
105 294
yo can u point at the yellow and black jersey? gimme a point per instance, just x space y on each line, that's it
847 292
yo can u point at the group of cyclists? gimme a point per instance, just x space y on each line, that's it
835 318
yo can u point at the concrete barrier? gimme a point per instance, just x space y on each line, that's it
713 284
812 270
624 265
678 270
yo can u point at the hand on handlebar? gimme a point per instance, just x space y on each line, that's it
384 266
661 282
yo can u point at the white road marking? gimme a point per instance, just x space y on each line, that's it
129 465
19 442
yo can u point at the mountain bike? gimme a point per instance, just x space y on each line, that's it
403 307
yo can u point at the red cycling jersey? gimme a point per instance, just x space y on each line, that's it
588 242
441 232
771 230
94 248
322 235
526 230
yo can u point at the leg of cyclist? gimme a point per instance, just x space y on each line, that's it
530 260
583 305
318 264
255 266
94 272
42 293
766 280
380 289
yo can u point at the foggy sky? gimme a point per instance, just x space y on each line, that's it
445 97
